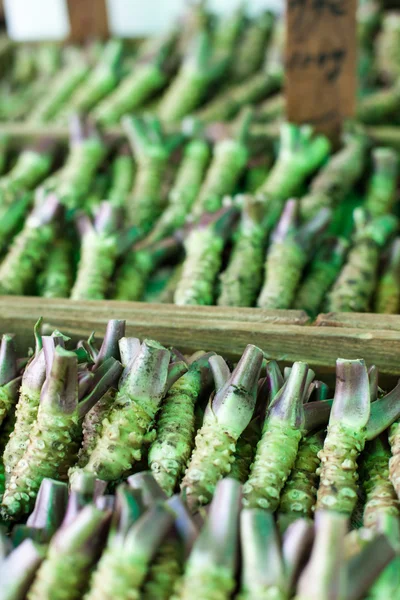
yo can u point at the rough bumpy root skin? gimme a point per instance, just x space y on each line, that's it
394 462
275 458
312 291
244 456
121 442
338 472
51 449
26 413
117 577
388 295
300 492
7 401
203 260
146 202
164 573
183 95
284 267
211 461
214 583
356 283
92 427
56 279
61 577
381 496
98 256
272 593
132 277
171 450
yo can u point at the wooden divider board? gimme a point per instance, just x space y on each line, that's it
321 63
88 18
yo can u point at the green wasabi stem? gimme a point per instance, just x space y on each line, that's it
56 277
85 156
297 541
9 380
229 160
125 563
29 248
82 492
6 545
135 271
381 497
325 576
204 246
148 76
263 569
353 289
381 193
18 570
288 254
58 94
31 167
300 154
72 554
337 177
271 109
388 583
99 251
144 383
110 347
47 516
102 80
184 191
249 55
210 568
387 48
387 299
171 450
151 152
320 391
345 440
321 275
381 106
151 491
228 414
242 278
123 174
300 492
276 451
55 436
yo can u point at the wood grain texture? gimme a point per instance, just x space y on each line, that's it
321 63
88 19
283 335
359 321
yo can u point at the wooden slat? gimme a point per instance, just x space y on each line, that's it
88 19
359 321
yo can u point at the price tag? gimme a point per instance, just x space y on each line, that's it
321 63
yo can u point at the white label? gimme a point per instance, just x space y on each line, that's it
139 18
31 20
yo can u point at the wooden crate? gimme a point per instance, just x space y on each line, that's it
284 335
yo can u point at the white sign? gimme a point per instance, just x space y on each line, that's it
37 19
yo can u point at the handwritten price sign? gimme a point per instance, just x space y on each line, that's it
321 62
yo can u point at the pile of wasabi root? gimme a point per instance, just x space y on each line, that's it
130 470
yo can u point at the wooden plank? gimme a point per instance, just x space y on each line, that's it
359 321
88 19
321 63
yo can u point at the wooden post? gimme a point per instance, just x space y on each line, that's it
321 63
88 19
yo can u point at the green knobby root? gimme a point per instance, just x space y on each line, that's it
101 83
61 576
251 51
5 430
319 280
123 173
25 257
283 270
211 460
300 492
379 106
200 269
387 299
275 457
117 577
56 278
132 92
381 496
381 195
170 452
243 458
146 201
213 583
26 413
394 462
164 572
242 279
261 593
338 472
77 176
229 160
183 95
133 275
356 283
121 442
96 266
7 401
29 170
51 450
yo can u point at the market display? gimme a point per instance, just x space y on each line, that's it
129 470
